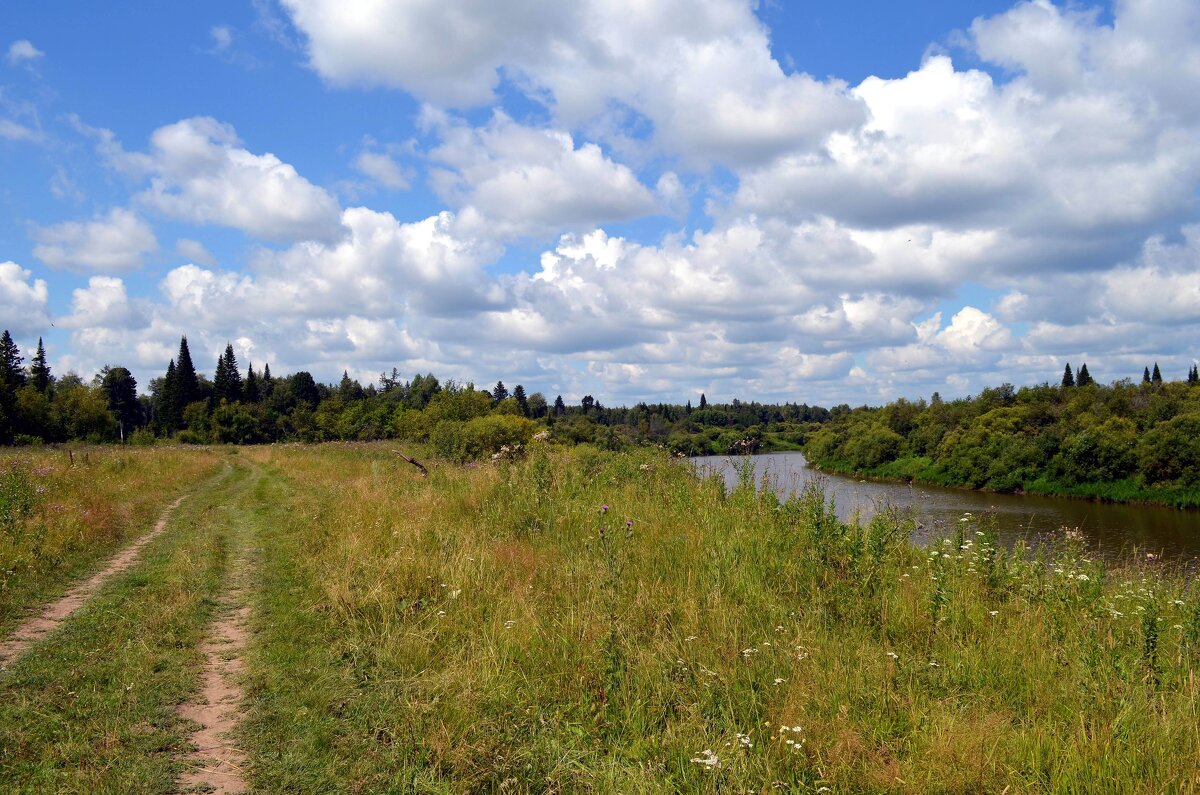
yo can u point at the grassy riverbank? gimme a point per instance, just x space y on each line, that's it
497 628
607 622
923 470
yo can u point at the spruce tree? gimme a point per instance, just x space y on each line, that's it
560 408
500 392
1084 377
250 391
1194 376
227 383
268 384
1068 378
522 401
39 370
11 373
1146 375
187 384
1156 375
170 415
703 401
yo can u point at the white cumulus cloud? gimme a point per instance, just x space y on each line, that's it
118 241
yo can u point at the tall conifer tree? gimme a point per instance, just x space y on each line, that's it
522 401
1145 375
188 384
170 412
227 381
10 362
39 370
250 390
1068 378
1156 375
1084 378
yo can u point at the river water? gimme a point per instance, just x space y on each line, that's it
1111 530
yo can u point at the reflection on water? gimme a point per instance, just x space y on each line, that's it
1110 529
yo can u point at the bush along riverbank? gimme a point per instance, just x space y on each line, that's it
1121 443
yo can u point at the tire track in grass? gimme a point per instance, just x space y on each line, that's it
217 765
35 629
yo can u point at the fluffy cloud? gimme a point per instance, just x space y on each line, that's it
118 241
23 299
382 168
199 173
510 180
103 303
701 73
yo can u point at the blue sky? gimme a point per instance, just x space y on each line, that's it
815 201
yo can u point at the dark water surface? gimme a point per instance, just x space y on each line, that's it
1111 529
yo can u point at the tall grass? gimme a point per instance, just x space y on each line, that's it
583 621
63 511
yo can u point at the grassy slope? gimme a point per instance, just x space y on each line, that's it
91 709
83 512
476 632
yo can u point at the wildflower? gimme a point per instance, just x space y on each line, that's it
993 613
689 639
708 759
441 613
509 624
749 651
603 509
893 655
744 739
629 523
644 467
779 681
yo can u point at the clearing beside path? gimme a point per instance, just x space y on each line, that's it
217 765
53 614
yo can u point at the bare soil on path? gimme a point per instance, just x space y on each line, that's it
217 765
34 629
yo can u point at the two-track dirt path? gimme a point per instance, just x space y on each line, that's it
217 765
34 629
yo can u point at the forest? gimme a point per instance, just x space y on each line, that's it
457 420
1122 441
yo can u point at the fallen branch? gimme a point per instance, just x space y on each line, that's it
414 462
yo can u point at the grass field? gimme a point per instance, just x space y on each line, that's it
590 622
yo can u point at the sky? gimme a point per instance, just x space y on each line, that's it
808 201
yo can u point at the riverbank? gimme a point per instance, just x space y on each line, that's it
924 471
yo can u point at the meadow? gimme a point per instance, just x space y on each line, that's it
586 621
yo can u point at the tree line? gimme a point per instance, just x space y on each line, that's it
252 406
1124 441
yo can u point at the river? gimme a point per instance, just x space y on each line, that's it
1111 530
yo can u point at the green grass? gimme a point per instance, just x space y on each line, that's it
496 629
91 709
81 506
476 632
